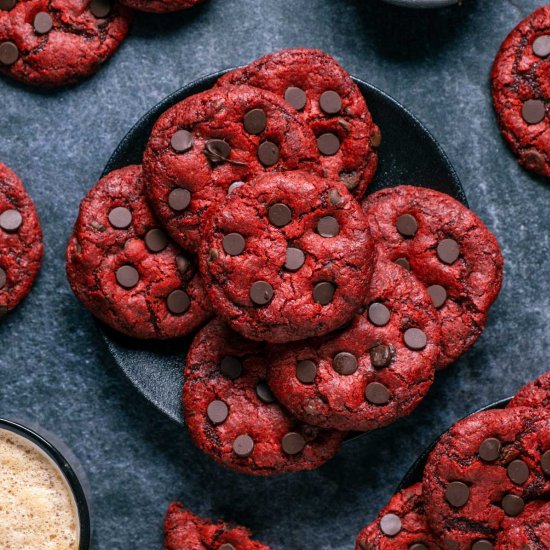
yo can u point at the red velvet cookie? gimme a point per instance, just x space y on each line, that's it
232 415
183 530
329 102
449 249
208 144
160 6
536 394
371 373
529 531
521 90
401 525
485 469
21 245
57 42
126 270
286 257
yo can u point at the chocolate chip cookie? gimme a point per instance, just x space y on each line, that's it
536 394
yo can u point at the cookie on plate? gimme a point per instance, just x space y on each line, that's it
183 530
160 6
536 394
232 415
329 101
485 469
210 143
371 373
59 42
124 268
21 245
449 249
529 531
286 257
521 90
401 525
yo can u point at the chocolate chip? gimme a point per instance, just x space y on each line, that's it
518 472
156 240
279 214
231 367
120 217
541 45
296 97
43 22
268 153
127 276
512 505
545 463
415 339
438 294
448 251
306 371
179 199
379 314
328 226
390 525
376 138
419 546
182 141
182 264
217 150
490 449
178 302
328 144
227 546
3 278
101 8
330 102
295 258
7 5
381 356
217 411
404 263
263 391
9 53
533 111
233 244
255 121
11 220
261 293
377 394
407 225
323 292
243 446
293 443
457 494
482 545
345 363
234 185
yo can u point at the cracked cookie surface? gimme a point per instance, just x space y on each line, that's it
529 531
535 395
126 270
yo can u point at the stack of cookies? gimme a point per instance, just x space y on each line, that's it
485 485
333 311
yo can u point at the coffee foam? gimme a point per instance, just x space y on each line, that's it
37 508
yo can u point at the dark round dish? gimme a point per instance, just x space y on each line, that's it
408 154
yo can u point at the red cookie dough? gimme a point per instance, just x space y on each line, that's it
483 471
401 525
286 257
371 373
529 531
209 141
21 245
57 42
521 90
232 415
160 6
534 395
329 101
126 270
449 249
183 530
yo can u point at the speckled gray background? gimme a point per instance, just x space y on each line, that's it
53 365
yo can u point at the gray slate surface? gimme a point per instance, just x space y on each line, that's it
53 365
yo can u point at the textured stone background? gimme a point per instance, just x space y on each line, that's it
53 365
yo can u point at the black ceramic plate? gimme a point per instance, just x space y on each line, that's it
414 475
408 154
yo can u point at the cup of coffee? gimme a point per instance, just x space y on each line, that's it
43 491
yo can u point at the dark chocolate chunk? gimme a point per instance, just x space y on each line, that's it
217 411
512 505
11 220
261 293
345 363
231 367
127 276
9 53
243 446
390 525
407 225
377 394
328 144
279 214
120 217
379 314
306 371
541 45
490 449
296 97
415 339
438 294
323 292
101 8
181 141
255 121
330 102
328 226
295 258
268 153
381 356
156 240
293 443
457 494
234 244
43 22
179 199
533 111
518 471
263 391
178 302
